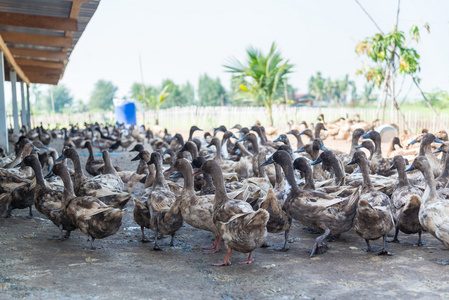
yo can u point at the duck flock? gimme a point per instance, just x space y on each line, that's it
234 183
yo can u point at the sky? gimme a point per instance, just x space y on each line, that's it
182 40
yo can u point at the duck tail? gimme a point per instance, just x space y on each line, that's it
256 219
270 201
413 205
353 202
5 202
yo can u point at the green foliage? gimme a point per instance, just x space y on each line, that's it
61 97
102 96
329 90
261 78
438 98
389 49
210 91
155 101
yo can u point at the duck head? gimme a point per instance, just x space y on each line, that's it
137 147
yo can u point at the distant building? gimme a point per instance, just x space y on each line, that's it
302 99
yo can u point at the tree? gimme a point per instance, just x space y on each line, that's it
154 101
261 78
210 91
102 95
58 96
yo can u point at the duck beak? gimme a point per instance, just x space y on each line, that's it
400 146
317 161
300 150
268 162
234 137
170 170
277 140
358 146
413 142
45 147
393 166
365 136
150 163
323 148
438 150
19 165
352 162
137 157
242 139
199 172
437 140
325 129
176 175
60 158
183 148
301 133
171 139
290 132
37 149
50 175
410 168
208 146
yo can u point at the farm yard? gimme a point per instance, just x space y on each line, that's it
168 150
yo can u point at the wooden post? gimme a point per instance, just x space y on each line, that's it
3 128
15 112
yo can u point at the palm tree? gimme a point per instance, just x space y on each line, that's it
154 101
261 78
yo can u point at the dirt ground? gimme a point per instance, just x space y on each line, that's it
35 265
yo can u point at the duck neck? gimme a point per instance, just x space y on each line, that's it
261 157
68 186
208 184
38 173
445 173
186 173
91 152
338 169
308 178
317 131
218 157
402 177
377 146
108 168
299 143
279 183
430 180
159 181
288 171
77 166
191 134
367 184
193 152
391 148
220 190
354 143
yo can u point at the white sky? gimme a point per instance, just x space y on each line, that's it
183 39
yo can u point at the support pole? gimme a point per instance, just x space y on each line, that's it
28 107
3 128
24 107
15 112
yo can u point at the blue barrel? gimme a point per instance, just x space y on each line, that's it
126 113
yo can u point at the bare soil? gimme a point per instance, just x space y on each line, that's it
35 265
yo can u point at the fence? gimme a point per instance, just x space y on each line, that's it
181 118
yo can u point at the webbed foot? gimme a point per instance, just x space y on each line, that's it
266 245
370 249
395 240
443 262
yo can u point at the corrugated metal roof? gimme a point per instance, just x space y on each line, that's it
49 8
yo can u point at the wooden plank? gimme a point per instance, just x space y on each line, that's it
36 39
39 63
34 21
10 58
38 53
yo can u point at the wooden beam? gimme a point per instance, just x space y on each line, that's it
38 53
34 21
36 39
43 75
39 63
10 58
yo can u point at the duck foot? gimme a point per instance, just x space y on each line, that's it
393 241
419 244
320 245
285 248
282 249
333 238
226 261
215 247
249 260
157 248
385 252
370 249
443 262
145 240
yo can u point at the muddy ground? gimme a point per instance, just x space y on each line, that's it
35 265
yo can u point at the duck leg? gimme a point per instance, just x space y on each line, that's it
419 242
395 238
30 215
92 239
320 245
249 260
384 250
172 240
285 247
67 234
369 248
226 261
215 247
156 246
144 238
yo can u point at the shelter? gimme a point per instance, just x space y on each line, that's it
36 40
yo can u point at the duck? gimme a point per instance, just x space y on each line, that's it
426 150
197 211
48 199
379 165
367 145
295 133
392 152
406 200
105 187
345 158
313 150
242 228
374 216
91 216
93 166
142 216
319 211
434 210
442 180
